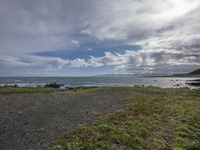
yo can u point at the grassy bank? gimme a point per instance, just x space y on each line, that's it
11 90
48 90
155 119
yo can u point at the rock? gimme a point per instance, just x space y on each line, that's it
53 85
194 83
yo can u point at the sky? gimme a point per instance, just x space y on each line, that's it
92 37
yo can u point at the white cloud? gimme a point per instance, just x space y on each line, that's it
11 62
141 61
32 63
133 20
78 62
75 42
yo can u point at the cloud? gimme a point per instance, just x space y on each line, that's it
134 20
11 62
38 26
50 25
78 62
142 62
33 63
75 42
136 62
166 31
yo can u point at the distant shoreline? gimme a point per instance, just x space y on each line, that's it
178 75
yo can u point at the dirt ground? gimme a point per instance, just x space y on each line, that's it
35 121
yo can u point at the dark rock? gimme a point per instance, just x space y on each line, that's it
194 84
53 85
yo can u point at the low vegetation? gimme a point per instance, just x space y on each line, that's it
11 90
49 89
156 119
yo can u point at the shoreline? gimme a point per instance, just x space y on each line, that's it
70 83
195 83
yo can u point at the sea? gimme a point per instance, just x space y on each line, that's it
163 82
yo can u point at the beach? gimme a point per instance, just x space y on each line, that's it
80 118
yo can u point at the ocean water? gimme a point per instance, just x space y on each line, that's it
164 82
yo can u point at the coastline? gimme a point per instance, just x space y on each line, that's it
71 82
177 76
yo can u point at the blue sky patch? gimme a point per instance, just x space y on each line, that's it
85 51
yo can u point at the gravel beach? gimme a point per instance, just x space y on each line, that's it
35 121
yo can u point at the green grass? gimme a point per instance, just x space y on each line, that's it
157 119
45 90
26 90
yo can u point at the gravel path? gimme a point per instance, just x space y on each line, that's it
34 121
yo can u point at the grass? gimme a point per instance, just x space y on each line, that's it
156 119
46 90
26 90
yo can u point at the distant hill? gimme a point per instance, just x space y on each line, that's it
116 75
195 72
